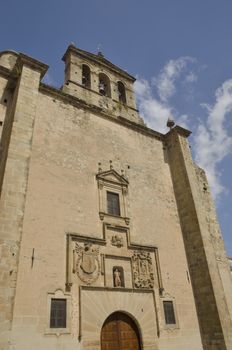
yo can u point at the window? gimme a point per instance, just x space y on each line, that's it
121 92
113 206
113 190
86 80
58 313
104 85
169 312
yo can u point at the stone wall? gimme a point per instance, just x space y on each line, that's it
62 197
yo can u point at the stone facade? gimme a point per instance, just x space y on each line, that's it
64 153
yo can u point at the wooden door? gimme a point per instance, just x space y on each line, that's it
119 332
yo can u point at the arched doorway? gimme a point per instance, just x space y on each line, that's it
119 332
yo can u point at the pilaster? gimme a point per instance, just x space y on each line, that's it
16 146
205 252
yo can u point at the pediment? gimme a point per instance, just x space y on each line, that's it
112 176
99 59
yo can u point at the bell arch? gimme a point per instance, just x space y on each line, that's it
120 331
121 92
104 85
86 76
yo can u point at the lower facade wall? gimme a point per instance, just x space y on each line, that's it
89 308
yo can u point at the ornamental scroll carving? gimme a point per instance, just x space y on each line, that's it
142 270
87 263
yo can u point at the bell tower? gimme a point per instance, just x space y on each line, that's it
98 82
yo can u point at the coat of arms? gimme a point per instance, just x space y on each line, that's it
87 264
142 270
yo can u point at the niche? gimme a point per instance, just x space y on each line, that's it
118 277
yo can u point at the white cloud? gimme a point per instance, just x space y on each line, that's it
191 77
157 110
142 89
165 82
154 112
183 120
212 142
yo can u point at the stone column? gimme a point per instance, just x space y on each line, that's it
14 168
204 247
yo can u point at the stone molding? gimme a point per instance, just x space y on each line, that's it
99 112
111 180
32 63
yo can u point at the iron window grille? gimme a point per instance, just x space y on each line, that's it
58 313
113 206
169 312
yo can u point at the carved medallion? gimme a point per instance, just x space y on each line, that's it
142 270
117 241
87 265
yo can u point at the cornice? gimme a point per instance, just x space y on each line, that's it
11 52
118 289
98 93
76 102
4 72
102 241
118 179
180 131
32 63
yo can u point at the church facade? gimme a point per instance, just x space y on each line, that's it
108 233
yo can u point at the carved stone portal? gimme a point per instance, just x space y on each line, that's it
87 264
142 270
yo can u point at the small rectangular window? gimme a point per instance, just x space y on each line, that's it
58 313
113 206
169 312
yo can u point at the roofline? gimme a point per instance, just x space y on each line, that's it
15 53
98 59
76 102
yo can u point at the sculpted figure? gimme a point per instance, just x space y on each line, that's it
117 278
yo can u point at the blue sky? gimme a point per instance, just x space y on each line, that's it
179 50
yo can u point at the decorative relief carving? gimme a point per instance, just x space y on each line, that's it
87 264
124 190
142 270
117 241
127 221
100 184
